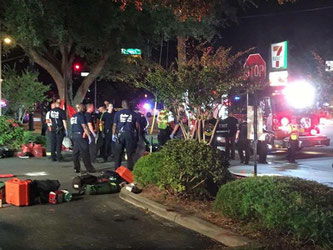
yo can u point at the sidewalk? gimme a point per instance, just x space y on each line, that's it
319 169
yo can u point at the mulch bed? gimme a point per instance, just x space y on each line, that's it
204 210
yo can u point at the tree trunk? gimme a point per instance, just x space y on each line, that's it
181 49
61 72
96 70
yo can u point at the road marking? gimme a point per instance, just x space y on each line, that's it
36 174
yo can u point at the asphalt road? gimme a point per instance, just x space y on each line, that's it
88 222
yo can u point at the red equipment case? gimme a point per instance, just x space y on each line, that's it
17 192
125 173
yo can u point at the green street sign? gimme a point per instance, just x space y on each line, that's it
131 51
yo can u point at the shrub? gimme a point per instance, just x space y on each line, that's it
193 168
36 138
147 169
11 135
285 205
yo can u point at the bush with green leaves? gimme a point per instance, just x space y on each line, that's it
36 138
147 169
11 135
193 168
184 167
285 205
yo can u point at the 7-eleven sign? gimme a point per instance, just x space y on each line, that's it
279 55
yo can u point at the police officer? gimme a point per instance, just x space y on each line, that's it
232 123
108 118
243 144
58 131
142 120
293 142
125 132
100 134
81 140
91 122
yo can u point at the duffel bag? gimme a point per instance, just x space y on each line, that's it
102 188
80 182
42 188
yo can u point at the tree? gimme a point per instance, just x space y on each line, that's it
198 82
56 33
22 91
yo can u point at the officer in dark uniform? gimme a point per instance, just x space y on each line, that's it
108 119
91 122
58 131
81 140
142 120
243 144
126 130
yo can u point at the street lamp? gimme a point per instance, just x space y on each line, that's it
6 40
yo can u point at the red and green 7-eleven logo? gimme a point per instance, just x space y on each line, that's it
279 55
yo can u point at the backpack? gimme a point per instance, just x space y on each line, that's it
5 152
80 182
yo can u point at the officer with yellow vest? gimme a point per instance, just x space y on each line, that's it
163 127
293 142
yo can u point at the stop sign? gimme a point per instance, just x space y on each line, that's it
255 68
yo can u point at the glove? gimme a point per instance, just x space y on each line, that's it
171 136
89 139
66 133
114 138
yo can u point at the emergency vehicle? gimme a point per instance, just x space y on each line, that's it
278 107
294 103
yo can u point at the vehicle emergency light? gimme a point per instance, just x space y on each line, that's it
284 121
300 94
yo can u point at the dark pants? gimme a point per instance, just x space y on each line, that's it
81 148
48 140
230 146
262 151
143 135
244 145
292 150
163 136
100 144
56 145
92 149
126 141
108 146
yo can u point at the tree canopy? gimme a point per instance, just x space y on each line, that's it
57 33
22 91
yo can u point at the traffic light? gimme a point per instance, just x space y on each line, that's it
77 67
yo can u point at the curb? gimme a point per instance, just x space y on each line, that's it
208 229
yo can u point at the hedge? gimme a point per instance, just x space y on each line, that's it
185 167
147 169
284 205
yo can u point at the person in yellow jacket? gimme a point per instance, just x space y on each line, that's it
163 127
293 142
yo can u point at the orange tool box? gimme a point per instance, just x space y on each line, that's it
125 173
17 192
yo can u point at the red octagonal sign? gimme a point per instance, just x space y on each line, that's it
255 68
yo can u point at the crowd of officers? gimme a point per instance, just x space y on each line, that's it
109 133
235 135
106 133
